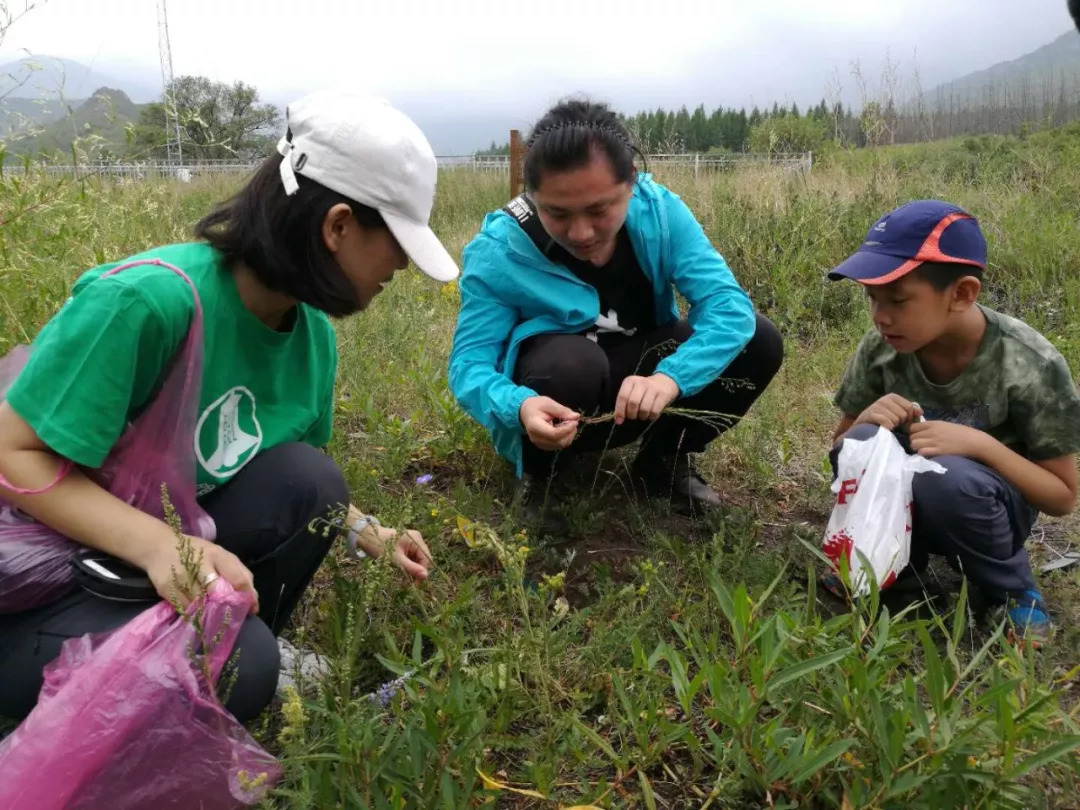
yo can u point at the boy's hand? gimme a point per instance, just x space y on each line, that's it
889 412
946 439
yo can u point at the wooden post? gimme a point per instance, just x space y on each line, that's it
517 160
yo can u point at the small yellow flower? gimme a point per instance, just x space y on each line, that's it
555 582
247 783
292 711
561 608
434 512
972 762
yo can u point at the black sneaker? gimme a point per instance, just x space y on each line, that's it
676 478
539 505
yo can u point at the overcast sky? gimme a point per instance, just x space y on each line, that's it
505 61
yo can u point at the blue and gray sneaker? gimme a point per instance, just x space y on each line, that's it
1029 619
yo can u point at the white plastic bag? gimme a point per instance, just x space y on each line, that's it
872 513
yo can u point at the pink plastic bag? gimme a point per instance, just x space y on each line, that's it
125 721
157 448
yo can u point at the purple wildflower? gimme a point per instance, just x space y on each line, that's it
424 479
388 690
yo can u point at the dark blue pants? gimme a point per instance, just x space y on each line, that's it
262 517
972 515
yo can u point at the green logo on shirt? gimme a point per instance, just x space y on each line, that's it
228 433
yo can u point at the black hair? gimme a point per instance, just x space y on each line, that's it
568 136
940 275
1074 10
279 238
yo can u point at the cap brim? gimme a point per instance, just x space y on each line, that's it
423 247
868 267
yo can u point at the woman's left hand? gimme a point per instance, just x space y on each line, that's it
411 553
644 397
408 550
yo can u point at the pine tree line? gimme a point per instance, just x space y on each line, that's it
1008 108
722 130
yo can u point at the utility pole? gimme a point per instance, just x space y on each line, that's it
174 151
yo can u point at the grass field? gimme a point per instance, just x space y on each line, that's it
652 661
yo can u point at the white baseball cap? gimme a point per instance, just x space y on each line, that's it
360 146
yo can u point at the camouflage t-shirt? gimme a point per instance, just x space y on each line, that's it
1017 388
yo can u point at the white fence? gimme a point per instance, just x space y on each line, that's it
697 162
498 163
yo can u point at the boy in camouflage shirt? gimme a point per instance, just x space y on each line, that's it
996 404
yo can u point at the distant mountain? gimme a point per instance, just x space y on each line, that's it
100 120
50 77
18 114
42 90
46 102
1048 67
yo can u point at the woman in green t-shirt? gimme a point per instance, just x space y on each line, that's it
316 233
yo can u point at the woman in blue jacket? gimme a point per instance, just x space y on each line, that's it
568 309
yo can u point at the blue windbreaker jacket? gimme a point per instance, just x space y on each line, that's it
510 291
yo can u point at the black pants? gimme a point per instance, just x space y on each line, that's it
262 516
971 515
585 376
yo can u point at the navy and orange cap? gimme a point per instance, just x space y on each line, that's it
915 233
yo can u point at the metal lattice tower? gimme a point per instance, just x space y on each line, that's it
173 150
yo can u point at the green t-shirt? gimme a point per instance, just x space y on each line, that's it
98 362
1017 388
